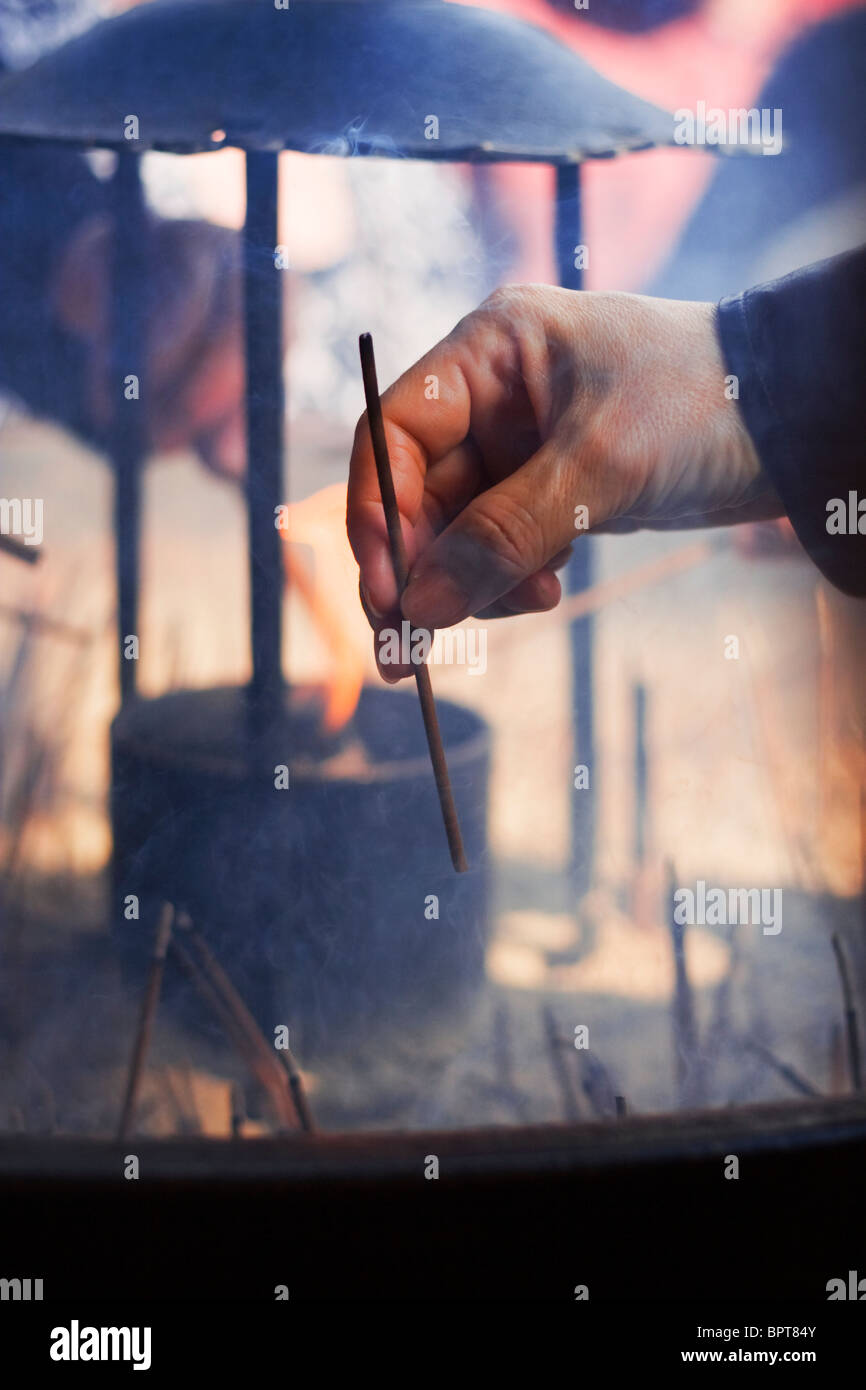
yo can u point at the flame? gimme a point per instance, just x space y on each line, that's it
330 594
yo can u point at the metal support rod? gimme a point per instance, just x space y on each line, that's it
265 406
640 775
580 572
127 441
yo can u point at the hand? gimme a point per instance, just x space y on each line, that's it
548 401
193 385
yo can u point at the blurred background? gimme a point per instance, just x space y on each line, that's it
754 767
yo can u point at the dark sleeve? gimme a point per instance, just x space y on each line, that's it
45 192
798 348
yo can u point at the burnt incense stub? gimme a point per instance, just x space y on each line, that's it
316 897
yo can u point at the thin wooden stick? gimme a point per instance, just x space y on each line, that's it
264 1069
145 1022
784 1069
570 1107
283 1056
237 1110
687 1059
595 1083
296 1085
505 1085
851 1028
401 574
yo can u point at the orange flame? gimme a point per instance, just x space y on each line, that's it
330 594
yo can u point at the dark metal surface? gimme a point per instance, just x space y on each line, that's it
636 1209
127 443
313 897
331 76
263 341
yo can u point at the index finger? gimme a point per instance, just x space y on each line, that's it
426 414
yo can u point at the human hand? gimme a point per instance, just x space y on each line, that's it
548 401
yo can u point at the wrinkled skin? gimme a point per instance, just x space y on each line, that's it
548 400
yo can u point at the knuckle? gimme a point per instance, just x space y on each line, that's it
507 529
500 298
508 300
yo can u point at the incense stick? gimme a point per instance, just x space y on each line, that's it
570 1107
789 1073
401 574
145 1023
284 1057
263 1068
851 1026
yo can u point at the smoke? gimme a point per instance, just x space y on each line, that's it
416 267
29 28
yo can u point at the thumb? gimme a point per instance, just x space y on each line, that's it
502 537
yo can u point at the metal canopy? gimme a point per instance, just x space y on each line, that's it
340 77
